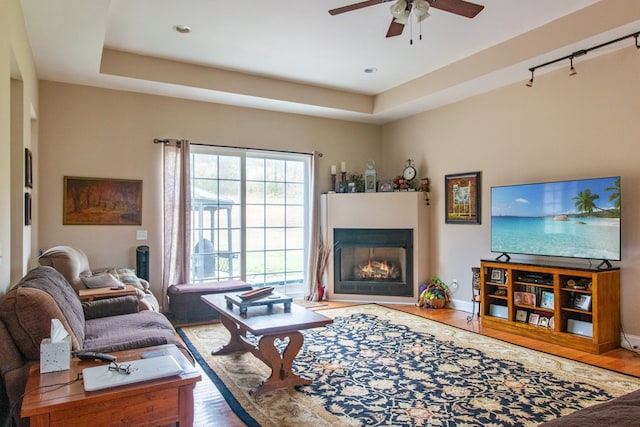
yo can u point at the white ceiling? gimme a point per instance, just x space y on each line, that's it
298 41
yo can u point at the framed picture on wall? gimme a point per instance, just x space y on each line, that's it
462 198
28 168
102 201
27 208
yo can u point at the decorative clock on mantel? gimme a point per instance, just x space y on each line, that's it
409 172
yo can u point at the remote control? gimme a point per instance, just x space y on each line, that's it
92 355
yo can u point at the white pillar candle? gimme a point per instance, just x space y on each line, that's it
343 166
333 169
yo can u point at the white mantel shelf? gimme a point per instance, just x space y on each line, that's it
379 210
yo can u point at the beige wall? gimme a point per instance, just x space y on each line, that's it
18 113
104 133
562 128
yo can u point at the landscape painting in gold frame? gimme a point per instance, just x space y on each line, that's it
102 201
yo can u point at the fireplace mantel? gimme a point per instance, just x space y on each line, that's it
379 211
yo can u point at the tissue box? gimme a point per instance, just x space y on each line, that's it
55 356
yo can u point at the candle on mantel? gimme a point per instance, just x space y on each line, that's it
333 169
343 166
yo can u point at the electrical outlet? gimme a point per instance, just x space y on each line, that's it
141 235
454 284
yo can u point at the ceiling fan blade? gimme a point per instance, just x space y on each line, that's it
356 6
459 7
395 29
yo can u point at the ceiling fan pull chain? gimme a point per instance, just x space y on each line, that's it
411 31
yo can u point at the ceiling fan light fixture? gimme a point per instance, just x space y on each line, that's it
421 10
398 8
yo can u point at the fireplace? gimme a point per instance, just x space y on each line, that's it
384 256
373 261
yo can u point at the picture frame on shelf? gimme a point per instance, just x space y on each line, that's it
534 318
497 275
462 198
385 186
544 322
521 316
547 300
582 302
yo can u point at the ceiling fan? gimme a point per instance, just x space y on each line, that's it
402 8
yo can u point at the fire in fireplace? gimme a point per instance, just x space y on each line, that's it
376 270
373 261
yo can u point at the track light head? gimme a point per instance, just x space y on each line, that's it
572 71
530 82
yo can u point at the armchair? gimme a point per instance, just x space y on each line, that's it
73 264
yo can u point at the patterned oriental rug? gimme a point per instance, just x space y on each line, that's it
377 366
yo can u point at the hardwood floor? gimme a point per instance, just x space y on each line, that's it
212 410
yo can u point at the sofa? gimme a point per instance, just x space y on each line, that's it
107 325
73 264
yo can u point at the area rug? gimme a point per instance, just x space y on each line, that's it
377 366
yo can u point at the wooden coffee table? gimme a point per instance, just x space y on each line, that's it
156 402
268 322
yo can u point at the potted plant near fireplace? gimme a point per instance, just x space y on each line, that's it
435 294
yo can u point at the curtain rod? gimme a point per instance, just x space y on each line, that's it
166 141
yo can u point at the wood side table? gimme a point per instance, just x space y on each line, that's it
102 293
148 403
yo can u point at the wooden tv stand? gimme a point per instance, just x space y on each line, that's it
581 306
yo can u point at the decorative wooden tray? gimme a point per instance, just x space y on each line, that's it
266 298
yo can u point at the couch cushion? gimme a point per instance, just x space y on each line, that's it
71 262
101 280
27 309
127 331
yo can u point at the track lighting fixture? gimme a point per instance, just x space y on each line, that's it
572 70
530 82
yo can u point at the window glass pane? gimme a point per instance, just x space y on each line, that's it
295 171
255 239
295 238
275 238
255 215
295 215
274 170
229 168
255 192
275 193
274 216
255 169
295 261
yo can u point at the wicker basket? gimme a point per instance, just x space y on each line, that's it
439 301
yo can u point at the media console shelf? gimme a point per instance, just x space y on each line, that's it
572 307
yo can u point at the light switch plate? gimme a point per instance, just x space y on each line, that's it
141 235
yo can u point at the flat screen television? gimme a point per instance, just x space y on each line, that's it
572 219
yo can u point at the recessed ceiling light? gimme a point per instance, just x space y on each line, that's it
182 29
370 70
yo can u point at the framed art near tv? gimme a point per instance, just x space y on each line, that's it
462 198
102 201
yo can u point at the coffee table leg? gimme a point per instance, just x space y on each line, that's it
236 341
282 375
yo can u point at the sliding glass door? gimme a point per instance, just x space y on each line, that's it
249 215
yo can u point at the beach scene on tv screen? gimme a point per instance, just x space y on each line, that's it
577 219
